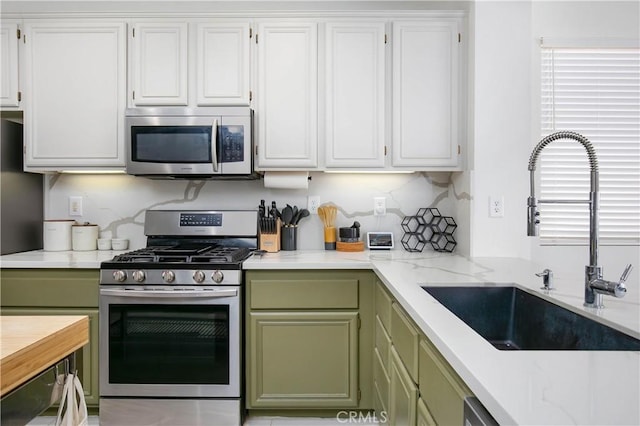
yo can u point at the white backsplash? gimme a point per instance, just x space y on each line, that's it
117 202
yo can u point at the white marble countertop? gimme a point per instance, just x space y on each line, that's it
57 259
517 387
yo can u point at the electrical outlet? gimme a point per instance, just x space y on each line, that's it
379 206
75 206
496 206
313 202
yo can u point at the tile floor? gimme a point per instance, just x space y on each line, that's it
251 421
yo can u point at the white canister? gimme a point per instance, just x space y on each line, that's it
56 234
84 237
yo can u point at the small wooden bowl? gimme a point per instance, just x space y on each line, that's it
359 246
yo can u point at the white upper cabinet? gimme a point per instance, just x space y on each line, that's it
189 63
222 64
287 95
9 87
158 63
425 94
74 94
355 94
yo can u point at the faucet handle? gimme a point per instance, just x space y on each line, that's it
625 273
547 279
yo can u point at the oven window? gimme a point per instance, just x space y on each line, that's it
171 144
165 344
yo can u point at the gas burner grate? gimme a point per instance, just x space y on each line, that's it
134 258
171 254
222 255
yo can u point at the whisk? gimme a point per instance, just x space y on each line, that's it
328 216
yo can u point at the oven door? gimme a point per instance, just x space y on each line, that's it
168 342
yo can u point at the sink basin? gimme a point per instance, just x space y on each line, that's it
512 319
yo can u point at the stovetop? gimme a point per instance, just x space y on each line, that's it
186 248
176 265
186 254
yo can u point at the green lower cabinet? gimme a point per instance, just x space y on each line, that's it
304 359
424 389
59 292
382 385
403 395
309 336
424 416
441 388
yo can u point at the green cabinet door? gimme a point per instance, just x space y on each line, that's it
424 416
303 359
442 390
403 397
86 358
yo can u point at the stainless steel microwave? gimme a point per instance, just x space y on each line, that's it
193 143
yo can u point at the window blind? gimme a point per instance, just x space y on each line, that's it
595 92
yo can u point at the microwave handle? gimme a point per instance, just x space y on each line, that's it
214 145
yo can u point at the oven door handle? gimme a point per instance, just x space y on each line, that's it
171 293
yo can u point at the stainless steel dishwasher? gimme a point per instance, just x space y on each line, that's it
475 414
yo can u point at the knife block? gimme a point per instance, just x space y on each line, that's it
270 242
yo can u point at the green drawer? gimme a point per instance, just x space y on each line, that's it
50 287
383 343
383 305
381 379
304 294
405 339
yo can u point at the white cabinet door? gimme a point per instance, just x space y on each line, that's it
75 94
425 94
287 91
9 65
355 94
159 54
222 64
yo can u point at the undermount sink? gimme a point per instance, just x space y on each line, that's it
512 319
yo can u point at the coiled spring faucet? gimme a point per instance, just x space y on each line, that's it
594 285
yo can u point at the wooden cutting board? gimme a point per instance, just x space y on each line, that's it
31 344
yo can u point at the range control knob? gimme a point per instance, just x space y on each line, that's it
217 276
198 276
168 276
119 276
138 276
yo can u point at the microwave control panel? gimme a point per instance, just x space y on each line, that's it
231 144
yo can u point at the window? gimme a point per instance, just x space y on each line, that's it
595 92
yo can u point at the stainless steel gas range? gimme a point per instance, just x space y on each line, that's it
170 321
